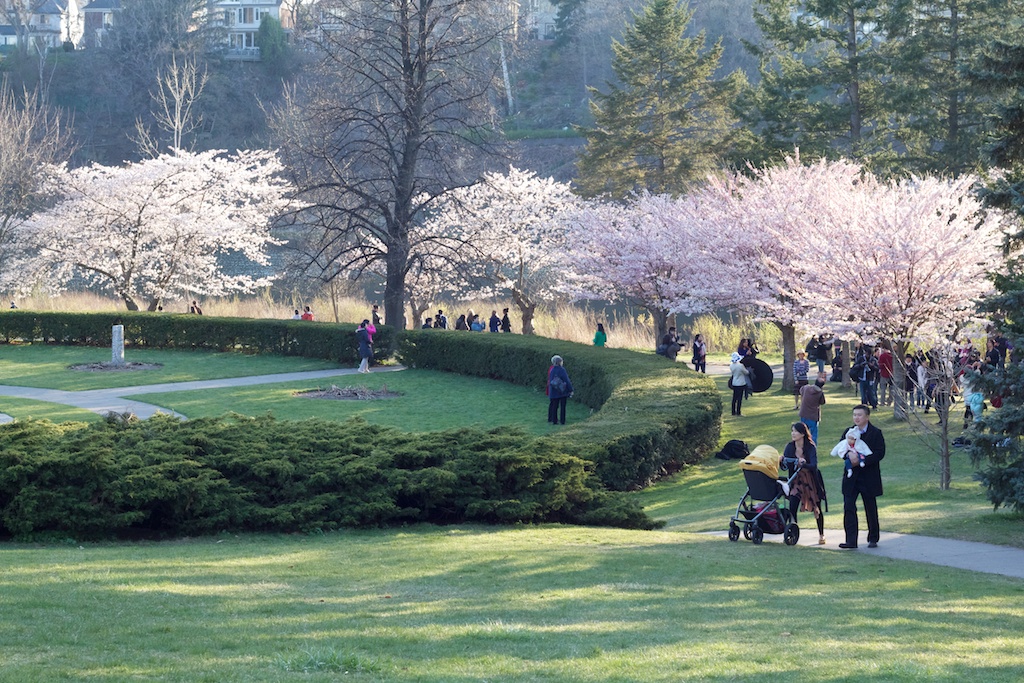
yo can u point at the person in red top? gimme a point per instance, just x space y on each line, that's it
307 314
885 386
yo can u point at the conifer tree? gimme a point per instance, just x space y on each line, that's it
667 120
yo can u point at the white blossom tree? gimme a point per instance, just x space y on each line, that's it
643 253
157 229
514 234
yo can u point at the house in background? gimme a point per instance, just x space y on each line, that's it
240 22
98 18
45 24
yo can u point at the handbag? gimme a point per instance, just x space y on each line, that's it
730 383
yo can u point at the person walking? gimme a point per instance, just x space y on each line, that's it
700 353
559 389
600 337
506 324
494 322
885 377
812 398
866 481
738 382
375 315
800 457
365 342
801 366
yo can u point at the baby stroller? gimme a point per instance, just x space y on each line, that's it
764 508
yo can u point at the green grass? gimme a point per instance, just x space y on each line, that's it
46 367
701 498
23 408
431 401
476 604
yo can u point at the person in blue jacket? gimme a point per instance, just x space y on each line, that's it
559 389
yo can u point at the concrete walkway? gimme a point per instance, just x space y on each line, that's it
115 400
977 557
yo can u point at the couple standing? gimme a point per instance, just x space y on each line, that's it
865 481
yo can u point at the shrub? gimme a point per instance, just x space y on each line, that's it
162 476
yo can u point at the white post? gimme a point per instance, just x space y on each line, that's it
117 345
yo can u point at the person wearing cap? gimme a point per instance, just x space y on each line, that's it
738 382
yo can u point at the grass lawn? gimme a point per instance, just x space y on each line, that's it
431 401
22 408
550 603
466 604
46 367
702 497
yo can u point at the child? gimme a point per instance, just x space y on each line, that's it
851 449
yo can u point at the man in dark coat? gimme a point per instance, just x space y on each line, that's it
865 482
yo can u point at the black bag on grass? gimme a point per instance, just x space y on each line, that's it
733 450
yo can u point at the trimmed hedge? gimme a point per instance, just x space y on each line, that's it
651 416
168 331
165 477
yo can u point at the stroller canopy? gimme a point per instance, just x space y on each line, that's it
763 459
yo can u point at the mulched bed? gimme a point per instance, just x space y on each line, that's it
110 367
350 393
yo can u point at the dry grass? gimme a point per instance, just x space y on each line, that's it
634 330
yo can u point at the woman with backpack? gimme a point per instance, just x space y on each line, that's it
559 389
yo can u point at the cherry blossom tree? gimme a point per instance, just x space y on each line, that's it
515 234
907 259
157 229
642 252
754 232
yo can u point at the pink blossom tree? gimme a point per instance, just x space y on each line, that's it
903 261
754 231
157 229
642 252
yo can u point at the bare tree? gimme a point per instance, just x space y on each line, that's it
397 112
178 90
32 139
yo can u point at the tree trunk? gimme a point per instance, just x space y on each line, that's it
394 284
417 307
660 316
899 376
129 303
844 346
788 356
526 310
153 305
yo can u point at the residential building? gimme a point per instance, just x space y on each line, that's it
240 21
46 24
98 17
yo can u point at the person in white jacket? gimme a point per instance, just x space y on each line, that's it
852 450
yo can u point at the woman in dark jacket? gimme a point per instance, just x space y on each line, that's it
365 346
559 389
808 489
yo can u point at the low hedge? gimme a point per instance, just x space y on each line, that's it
336 342
651 416
165 477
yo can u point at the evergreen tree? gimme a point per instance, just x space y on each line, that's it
822 71
667 120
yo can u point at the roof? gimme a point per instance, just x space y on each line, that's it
7 30
102 5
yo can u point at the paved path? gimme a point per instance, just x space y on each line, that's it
105 401
978 557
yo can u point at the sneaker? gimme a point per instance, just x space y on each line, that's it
872 544
848 546
821 541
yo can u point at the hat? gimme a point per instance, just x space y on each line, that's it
735 358
854 432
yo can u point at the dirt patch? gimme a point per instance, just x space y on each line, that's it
350 393
110 367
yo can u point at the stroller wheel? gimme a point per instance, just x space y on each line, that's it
746 531
756 535
791 535
734 531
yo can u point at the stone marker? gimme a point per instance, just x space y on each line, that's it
117 345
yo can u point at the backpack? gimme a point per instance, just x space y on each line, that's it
733 450
558 385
